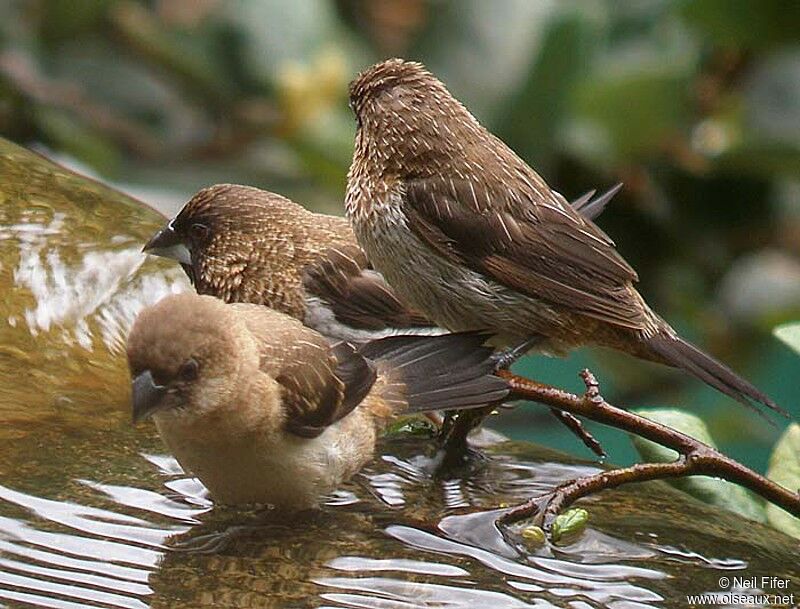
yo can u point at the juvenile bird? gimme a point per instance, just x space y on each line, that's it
264 410
465 231
243 244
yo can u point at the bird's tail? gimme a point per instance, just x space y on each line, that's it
590 206
673 351
425 373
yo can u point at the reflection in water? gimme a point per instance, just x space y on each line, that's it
73 279
65 550
151 545
393 593
73 295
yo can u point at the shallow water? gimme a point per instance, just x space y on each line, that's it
94 514
109 521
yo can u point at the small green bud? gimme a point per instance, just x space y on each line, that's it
534 534
570 523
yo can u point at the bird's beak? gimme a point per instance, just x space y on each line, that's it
146 396
167 243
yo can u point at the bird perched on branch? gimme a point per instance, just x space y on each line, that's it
264 410
243 244
465 231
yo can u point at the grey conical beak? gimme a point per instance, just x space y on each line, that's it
146 396
168 243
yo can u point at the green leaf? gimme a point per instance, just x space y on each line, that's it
68 134
188 60
532 118
784 468
756 25
769 159
570 523
709 490
277 34
789 334
490 43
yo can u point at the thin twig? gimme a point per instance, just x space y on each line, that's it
575 425
453 436
695 457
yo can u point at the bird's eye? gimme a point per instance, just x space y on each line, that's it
198 231
188 370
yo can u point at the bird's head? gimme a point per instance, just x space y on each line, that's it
406 118
189 357
398 78
219 232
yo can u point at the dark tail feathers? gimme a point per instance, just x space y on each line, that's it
676 352
590 206
451 371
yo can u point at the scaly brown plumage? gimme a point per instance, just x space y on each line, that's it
243 244
465 231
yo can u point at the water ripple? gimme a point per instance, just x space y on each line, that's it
601 583
126 546
401 594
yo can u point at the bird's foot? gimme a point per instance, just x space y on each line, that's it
214 543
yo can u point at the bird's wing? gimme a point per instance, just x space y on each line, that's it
321 388
320 383
357 295
525 238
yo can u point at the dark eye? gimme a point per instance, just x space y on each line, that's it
188 370
198 231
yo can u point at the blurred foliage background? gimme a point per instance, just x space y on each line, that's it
694 105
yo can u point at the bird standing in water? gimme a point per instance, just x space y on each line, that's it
264 410
465 231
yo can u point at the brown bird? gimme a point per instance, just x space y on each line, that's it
264 410
465 231
242 244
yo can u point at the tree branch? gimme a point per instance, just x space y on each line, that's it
575 425
456 429
695 457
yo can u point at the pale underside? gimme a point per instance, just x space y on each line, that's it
293 473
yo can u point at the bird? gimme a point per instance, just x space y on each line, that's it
244 244
265 410
469 234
